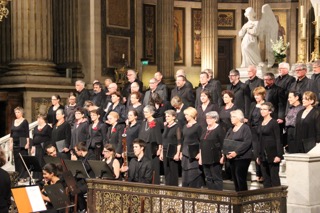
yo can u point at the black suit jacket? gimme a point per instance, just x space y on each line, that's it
285 83
83 96
213 92
114 137
127 88
276 96
254 83
241 97
140 171
185 93
120 109
316 80
97 135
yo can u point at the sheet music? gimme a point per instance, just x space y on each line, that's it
35 198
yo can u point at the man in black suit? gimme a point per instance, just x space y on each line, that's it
303 83
140 168
241 92
154 88
253 81
284 80
132 77
184 92
182 72
161 86
215 84
98 96
204 85
83 94
316 77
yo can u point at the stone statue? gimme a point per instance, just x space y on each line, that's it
255 31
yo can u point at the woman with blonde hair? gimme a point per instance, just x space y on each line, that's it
191 174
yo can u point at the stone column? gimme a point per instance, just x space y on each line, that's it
5 42
209 36
165 44
303 174
32 52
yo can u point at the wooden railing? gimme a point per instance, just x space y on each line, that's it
118 196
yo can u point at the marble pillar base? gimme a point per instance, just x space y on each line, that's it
303 177
260 72
7 81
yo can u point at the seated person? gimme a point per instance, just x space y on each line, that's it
52 151
81 153
140 168
109 157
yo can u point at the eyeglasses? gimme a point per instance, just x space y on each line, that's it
231 75
267 79
152 82
265 109
299 70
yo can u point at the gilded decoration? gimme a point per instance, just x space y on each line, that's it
226 19
149 32
205 207
196 36
171 205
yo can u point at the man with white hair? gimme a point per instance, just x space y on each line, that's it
303 83
132 77
82 93
284 80
253 81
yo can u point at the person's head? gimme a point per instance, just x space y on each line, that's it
153 83
294 98
18 111
148 111
209 71
95 115
138 147
205 96
97 87
252 71
284 68
55 99
250 13
81 149
115 97
50 171
234 76
190 114
212 118
80 85
72 98
3 159
301 70
266 109
60 114
134 87
170 115
268 79
108 151
204 78
131 75
227 96
158 75
180 81
180 72
155 99
316 66
41 119
51 150
113 117
107 82
112 88
79 113
135 97
309 99
236 116
259 93
176 102
132 115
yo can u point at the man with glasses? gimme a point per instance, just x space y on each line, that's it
241 92
316 77
153 88
132 77
284 80
303 83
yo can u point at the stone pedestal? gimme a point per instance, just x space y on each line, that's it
303 177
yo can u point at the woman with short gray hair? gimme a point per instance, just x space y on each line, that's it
211 156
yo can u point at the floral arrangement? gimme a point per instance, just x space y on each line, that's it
279 48
152 124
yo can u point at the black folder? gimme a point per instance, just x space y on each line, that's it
171 151
230 146
71 182
57 196
60 145
308 144
101 169
193 150
22 142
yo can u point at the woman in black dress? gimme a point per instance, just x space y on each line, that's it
295 100
224 113
205 107
132 132
136 105
80 128
109 157
171 142
51 115
241 157
192 131
62 131
211 157
19 134
41 138
150 132
116 106
308 121
270 147
97 135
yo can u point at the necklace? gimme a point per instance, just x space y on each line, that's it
146 127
